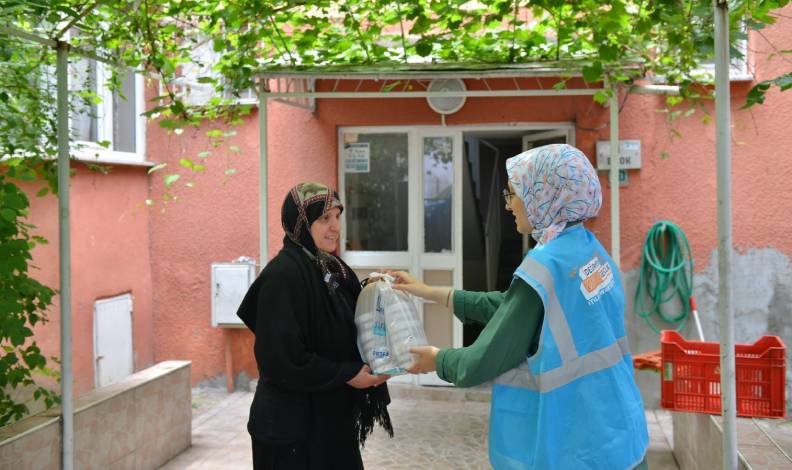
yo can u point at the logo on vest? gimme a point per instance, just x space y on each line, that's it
596 279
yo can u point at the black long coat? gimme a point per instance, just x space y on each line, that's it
306 351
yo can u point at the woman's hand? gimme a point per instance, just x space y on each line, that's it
405 282
364 379
426 360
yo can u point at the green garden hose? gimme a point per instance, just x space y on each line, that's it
666 274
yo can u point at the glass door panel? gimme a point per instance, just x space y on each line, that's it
438 201
375 191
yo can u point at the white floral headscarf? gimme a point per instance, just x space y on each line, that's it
557 186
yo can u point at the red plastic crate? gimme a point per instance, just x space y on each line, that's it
690 377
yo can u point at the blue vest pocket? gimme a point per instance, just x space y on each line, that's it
513 427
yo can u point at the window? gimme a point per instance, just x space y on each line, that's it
739 70
197 93
106 125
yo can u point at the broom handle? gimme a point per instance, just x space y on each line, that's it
694 310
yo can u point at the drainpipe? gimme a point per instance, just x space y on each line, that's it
67 406
614 173
263 182
229 363
723 166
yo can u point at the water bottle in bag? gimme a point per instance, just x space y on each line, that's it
388 326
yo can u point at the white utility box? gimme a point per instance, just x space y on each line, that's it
230 282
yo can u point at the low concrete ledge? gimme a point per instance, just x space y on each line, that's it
698 444
138 423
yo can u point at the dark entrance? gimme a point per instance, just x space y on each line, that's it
491 246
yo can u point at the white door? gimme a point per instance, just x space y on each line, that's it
440 236
400 191
113 358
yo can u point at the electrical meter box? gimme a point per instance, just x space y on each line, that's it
230 283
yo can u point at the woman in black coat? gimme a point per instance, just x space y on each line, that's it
316 401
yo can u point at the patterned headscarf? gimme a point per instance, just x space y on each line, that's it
305 203
557 186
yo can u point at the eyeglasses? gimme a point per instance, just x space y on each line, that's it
507 195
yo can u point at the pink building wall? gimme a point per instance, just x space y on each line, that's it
110 256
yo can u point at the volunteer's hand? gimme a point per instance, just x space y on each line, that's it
425 362
364 379
404 281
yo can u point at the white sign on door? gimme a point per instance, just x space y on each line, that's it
357 157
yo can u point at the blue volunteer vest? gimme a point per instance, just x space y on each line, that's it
574 404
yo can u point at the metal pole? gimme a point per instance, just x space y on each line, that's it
725 307
438 94
67 408
263 183
614 175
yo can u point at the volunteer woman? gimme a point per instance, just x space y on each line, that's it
555 344
316 401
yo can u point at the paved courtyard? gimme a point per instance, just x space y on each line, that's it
429 434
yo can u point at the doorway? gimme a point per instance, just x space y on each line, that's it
491 246
427 199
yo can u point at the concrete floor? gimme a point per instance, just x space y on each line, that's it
429 434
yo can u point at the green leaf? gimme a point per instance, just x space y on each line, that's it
170 179
186 163
207 153
8 214
608 52
421 25
391 86
784 82
601 97
14 201
423 48
230 171
756 95
593 72
674 100
42 192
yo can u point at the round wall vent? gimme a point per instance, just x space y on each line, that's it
446 104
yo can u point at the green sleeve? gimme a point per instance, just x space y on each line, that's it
476 307
508 338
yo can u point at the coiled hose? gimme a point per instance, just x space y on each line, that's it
666 273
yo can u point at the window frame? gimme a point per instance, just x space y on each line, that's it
90 151
740 70
376 259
